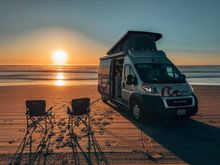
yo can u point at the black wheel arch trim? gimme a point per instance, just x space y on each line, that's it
135 96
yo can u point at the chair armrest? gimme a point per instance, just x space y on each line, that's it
69 112
88 109
27 113
49 111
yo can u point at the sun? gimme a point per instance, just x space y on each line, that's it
59 57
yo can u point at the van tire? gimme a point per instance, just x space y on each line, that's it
186 117
136 110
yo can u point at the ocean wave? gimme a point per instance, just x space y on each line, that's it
50 71
205 76
41 79
25 77
29 74
207 71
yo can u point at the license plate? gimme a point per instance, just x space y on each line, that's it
181 112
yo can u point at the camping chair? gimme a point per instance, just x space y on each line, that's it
36 113
80 107
79 114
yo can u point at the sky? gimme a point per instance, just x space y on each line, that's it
31 30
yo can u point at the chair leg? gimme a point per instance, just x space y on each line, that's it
45 120
68 125
51 123
27 123
30 150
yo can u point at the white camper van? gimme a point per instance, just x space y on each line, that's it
137 76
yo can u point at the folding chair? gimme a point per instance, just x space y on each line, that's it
36 113
79 107
80 113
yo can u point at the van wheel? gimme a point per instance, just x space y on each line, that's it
187 117
137 110
104 99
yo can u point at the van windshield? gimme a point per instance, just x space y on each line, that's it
160 73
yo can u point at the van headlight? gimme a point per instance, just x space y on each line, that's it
150 89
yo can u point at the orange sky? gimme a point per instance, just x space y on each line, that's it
37 48
31 31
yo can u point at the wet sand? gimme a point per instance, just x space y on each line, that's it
123 140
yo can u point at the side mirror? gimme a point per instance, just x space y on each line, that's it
183 76
130 79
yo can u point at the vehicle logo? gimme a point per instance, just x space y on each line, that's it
170 91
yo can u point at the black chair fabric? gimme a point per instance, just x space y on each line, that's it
80 106
36 107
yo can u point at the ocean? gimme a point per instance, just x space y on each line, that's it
11 75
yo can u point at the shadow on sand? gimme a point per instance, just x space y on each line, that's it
192 141
27 153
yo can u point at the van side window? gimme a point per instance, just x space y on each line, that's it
104 68
171 73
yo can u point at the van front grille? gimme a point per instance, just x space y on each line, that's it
179 102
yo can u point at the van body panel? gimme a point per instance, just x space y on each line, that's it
127 90
154 105
135 40
173 90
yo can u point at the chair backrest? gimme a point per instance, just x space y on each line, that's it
80 106
36 107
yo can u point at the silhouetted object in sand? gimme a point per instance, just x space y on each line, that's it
79 115
36 113
37 118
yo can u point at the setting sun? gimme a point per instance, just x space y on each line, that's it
59 57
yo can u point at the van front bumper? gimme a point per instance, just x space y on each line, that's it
170 106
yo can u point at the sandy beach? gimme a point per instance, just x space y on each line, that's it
124 141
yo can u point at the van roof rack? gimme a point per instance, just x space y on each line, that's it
136 40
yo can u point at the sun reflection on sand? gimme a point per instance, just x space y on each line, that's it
59 83
60 79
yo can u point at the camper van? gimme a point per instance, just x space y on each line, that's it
138 77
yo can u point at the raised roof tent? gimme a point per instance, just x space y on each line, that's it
136 40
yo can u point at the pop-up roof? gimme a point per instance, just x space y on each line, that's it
136 40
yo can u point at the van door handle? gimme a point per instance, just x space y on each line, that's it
123 84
